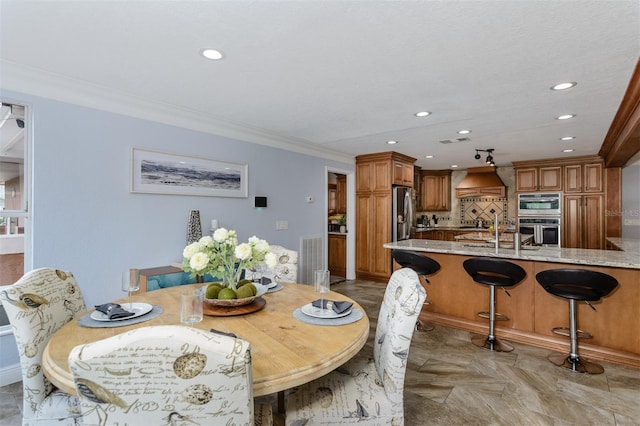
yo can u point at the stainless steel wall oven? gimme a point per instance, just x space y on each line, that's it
545 230
540 204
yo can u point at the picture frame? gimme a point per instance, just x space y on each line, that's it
157 172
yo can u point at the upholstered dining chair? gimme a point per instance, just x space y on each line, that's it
286 269
367 392
37 305
166 375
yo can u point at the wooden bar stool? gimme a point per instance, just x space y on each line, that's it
423 266
494 273
576 285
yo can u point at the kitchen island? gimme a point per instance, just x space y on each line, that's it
615 326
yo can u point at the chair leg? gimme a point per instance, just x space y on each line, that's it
491 342
281 407
572 361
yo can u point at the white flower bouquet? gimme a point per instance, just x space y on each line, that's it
221 256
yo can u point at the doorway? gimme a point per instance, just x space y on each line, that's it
13 201
340 241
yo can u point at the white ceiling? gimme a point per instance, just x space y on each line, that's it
339 78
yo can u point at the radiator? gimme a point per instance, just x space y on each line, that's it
311 258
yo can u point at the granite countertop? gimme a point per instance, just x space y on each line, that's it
336 233
458 228
629 258
488 237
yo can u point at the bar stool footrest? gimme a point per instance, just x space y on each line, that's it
566 331
498 317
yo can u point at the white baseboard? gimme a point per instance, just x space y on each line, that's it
10 374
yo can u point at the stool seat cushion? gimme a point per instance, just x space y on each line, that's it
573 291
496 272
423 265
495 280
577 284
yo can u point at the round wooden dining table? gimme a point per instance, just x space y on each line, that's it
285 352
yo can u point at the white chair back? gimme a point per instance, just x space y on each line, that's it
164 375
401 306
367 392
38 305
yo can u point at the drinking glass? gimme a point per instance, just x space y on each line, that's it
130 283
191 306
321 285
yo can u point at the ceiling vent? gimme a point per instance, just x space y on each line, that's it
448 141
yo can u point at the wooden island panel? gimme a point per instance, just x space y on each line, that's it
456 299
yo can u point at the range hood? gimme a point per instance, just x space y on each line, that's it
481 182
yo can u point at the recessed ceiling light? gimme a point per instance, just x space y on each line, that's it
211 54
428 156
392 142
422 113
564 86
568 138
454 165
464 132
565 116
567 150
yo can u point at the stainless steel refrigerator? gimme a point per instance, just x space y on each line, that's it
403 212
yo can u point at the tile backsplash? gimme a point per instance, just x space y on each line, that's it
484 208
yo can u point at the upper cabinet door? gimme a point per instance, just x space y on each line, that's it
527 179
593 180
533 179
550 178
573 178
583 178
402 173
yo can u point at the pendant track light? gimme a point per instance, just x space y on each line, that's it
489 159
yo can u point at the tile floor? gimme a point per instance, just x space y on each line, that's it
449 381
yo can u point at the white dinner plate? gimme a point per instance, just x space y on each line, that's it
312 311
271 285
138 310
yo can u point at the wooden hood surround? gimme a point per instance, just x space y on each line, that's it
481 181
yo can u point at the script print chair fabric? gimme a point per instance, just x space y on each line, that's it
364 391
286 269
37 305
166 375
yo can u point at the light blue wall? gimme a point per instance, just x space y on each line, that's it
86 221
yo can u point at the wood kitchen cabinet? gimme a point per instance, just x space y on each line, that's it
583 221
403 173
440 234
532 179
582 180
338 254
585 178
435 190
375 177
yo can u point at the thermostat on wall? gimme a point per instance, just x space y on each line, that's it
260 202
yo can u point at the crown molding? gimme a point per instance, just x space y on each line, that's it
622 141
36 82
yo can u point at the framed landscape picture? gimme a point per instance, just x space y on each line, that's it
155 172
